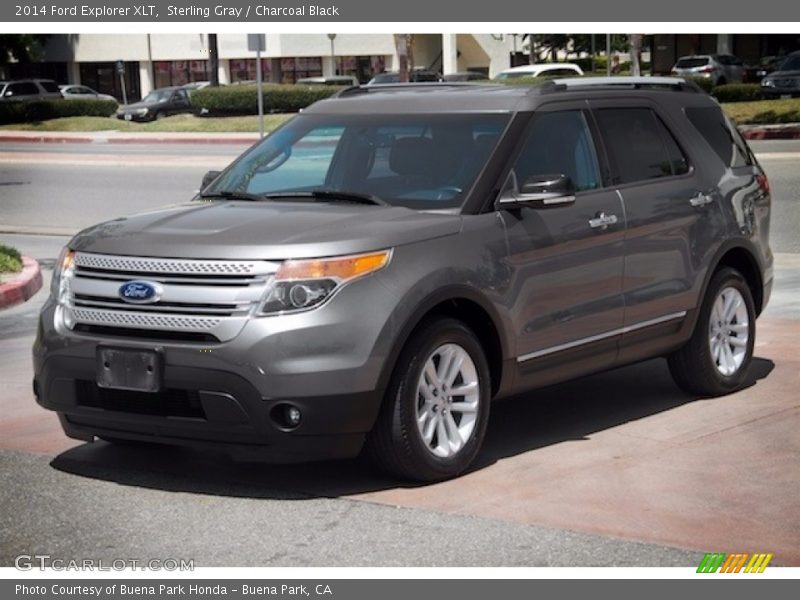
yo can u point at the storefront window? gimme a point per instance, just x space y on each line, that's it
245 69
180 72
362 68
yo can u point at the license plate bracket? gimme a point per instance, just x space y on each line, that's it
128 369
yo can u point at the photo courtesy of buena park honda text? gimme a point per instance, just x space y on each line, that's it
354 299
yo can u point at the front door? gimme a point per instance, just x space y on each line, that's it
566 260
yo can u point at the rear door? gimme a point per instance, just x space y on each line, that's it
672 216
565 260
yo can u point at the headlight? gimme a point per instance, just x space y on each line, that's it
768 83
62 276
141 111
305 284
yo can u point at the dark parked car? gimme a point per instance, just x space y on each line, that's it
765 66
375 272
157 104
415 76
785 81
29 89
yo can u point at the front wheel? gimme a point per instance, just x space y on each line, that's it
716 359
436 409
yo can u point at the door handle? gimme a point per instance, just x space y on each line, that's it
701 199
602 221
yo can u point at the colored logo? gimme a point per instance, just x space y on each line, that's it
140 292
734 563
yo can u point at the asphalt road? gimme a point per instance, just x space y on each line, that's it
111 502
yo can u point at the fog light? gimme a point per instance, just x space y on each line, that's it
292 415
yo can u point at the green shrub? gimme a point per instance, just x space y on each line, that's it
42 110
771 117
243 99
737 92
10 259
703 83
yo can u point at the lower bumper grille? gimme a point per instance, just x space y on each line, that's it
167 403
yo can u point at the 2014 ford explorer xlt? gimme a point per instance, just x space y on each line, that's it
375 272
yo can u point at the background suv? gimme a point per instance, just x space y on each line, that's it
719 68
373 273
29 89
785 81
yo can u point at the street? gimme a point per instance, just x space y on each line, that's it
617 469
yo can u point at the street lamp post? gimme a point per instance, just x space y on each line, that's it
331 37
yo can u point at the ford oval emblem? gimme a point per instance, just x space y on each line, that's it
140 292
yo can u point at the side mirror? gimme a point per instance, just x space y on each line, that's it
208 178
541 191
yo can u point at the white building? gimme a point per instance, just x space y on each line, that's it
158 60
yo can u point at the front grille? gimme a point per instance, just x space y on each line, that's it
213 297
145 334
167 403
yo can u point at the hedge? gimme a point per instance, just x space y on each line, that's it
243 99
10 259
703 83
737 92
42 110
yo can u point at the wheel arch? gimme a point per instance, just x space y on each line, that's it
741 258
470 307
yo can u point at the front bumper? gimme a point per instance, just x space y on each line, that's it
218 396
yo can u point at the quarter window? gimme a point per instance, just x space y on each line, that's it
721 135
560 143
639 145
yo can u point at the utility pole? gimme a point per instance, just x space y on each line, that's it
331 37
213 55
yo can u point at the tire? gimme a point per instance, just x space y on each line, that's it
397 444
698 368
158 116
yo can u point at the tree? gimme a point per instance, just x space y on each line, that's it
636 53
402 43
26 47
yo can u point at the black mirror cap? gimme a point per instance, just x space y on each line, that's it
208 178
555 184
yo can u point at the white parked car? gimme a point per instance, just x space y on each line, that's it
82 92
541 70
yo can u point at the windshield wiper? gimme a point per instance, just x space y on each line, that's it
327 196
231 195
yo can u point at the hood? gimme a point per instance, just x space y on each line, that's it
138 105
263 230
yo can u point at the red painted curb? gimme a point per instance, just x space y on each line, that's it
23 286
786 133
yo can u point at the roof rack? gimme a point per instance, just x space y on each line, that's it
675 83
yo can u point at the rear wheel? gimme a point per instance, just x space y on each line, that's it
716 359
436 408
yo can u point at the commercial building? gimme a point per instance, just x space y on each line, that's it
158 60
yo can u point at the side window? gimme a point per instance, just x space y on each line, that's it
26 88
720 135
639 145
49 87
560 143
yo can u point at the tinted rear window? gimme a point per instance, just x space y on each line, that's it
639 145
691 63
49 86
721 135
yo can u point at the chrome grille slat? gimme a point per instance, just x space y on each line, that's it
213 297
140 264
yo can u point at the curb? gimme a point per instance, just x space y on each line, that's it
23 286
771 132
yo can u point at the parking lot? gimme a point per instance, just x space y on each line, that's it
619 468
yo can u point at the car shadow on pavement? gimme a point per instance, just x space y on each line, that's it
568 411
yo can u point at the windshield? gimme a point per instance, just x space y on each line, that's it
792 63
425 161
157 96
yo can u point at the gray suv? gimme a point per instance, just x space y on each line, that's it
379 269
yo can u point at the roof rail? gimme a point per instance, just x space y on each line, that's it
421 85
675 83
